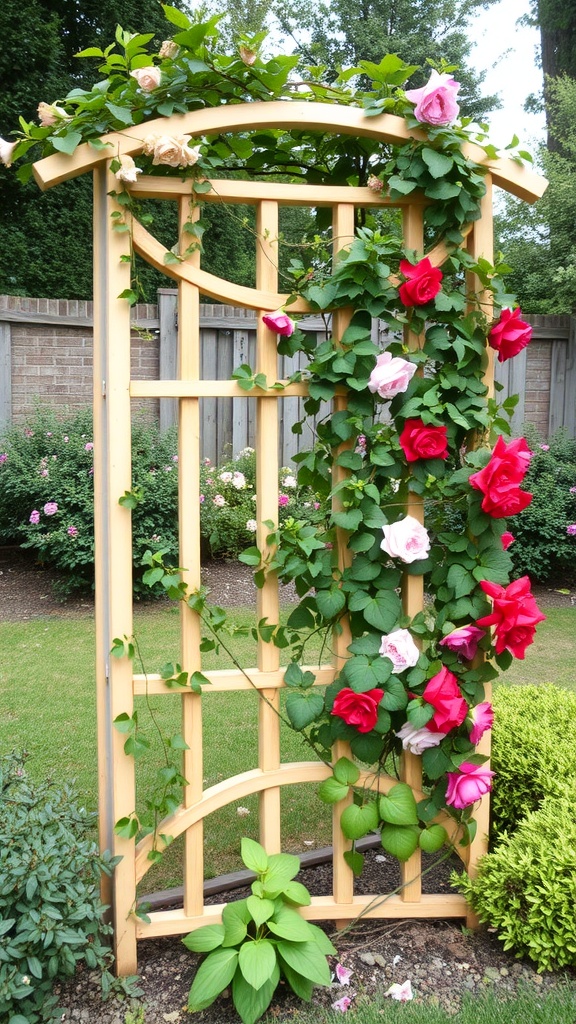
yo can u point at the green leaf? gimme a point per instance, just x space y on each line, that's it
212 977
235 918
346 771
331 790
122 114
176 17
355 861
363 674
254 856
330 602
349 520
204 939
259 909
357 822
306 959
302 987
395 697
433 838
303 707
400 841
383 610
252 1003
287 924
398 807
461 580
66 143
297 893
282 867
257 961
439 164
251 556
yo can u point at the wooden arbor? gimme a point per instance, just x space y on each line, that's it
113 391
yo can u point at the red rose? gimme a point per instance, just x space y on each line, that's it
499 480
443 693
510 334
358 709
514 615
422 282
421 442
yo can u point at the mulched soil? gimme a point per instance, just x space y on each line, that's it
443 961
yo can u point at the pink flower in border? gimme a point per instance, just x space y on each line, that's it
401 992
571 530
482 718
464 641
343 974
34 517
279 322
89 446
507 539
72 531
219 500
283 499
3 457
50 508
342 1004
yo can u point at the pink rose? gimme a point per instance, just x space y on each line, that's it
72 531
499 480
450 708
50 508
514 615
400 649
148 78
507 539
510 334
391 375
467 785
464 641
279 322
418 740
419 441
436 101
50 114
406 539
482 718
34 517
358 709
422 284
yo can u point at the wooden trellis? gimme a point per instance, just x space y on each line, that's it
113 390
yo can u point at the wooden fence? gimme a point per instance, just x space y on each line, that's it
46 354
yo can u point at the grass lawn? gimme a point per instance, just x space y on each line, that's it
47 706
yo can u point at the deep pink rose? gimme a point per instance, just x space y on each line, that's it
467 785
358 709
279 322
391 375
507 539
514 616
509 335
422 283
436 101
406 539
450 708
419 441
499 480
34 517
482 718
464 641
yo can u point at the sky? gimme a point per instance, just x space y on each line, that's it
507 52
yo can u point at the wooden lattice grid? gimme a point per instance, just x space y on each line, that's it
113 392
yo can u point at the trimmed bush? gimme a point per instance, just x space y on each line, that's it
533 750
526 888
50 909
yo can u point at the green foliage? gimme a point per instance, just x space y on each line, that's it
533 752
261 939
50 909
543 548
526 888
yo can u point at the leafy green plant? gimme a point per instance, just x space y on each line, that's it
261 939
526 888
533 751
50 909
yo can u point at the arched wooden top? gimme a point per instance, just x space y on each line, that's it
293 114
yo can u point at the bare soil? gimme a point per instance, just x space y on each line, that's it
443 960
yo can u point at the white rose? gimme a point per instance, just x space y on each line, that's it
407 540
418 740
6 151
400 648
127 170
170 150
148 78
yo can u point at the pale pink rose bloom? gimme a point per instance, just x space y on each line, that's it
171 150
247 55
400 648
343 974
88 446
342 1004
401 992
376 184
418 740
34 517
127 171
406 539
238 481
72 531
50 508
148 78
464 641
225 477
50 114
391 375
219 500
168 50
279 322
6 151
436 101
482 718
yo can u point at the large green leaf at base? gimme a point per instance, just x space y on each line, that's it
252 1003
235 918
212 977
257 961
302 987
205 939
306 959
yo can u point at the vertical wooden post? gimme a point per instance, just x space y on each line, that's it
189 560
343 878
267 509
113 552
412 588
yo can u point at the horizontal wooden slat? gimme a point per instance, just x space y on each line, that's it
226 680
253 192
208 389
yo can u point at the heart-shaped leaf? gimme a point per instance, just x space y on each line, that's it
399 806
356 821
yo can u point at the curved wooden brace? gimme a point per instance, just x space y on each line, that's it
256 781
293 114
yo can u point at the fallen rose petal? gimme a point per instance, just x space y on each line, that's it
401 992
343 974
342 1004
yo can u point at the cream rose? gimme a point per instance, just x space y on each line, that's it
6 151
171 150
400 649
418 740
406 539
50 113
148 78
168 50
127 170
